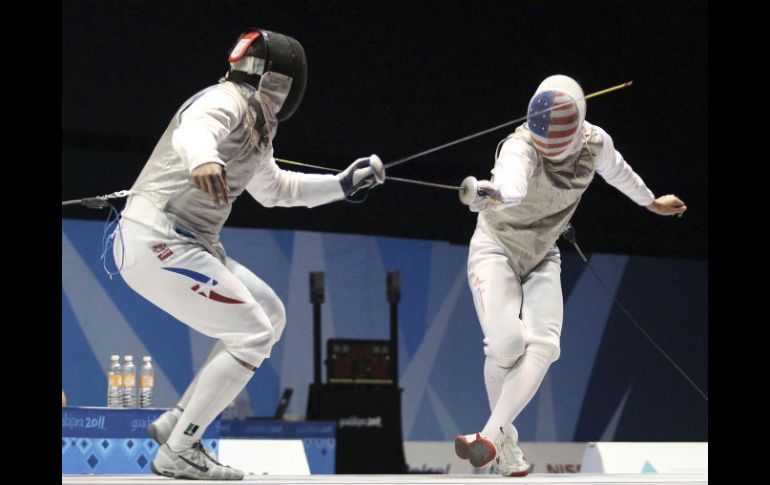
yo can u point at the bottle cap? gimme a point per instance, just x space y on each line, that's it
114 357
146 358
129 358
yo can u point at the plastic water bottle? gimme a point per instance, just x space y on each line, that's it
129 382
146 382
114 383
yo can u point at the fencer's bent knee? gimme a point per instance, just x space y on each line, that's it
278 319
546 352
505 348
504 362
275 311
256 337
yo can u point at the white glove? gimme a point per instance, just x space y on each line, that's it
364 172
479 194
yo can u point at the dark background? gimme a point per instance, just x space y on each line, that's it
398 77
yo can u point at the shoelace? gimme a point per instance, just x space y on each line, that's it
198 446
196 456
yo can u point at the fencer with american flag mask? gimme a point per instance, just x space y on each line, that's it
541 171
218 145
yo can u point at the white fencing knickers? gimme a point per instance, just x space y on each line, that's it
515 313
521 319
223 301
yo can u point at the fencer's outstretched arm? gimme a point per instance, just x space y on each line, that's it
208 121
272 186
513 168
618 173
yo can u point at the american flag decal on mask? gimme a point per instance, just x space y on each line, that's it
552 131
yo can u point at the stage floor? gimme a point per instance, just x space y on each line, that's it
549 478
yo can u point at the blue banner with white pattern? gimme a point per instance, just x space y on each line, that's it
610 383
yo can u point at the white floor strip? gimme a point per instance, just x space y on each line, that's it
550 478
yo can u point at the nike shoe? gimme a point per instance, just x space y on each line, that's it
193 464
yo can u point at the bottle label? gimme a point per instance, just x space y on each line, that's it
147 381
116 380
129 380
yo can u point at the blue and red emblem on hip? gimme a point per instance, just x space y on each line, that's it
204 285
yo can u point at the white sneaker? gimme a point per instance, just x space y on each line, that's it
510 460
193 464
161 428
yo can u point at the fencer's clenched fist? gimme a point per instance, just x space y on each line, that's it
364 172
211 179
479 194
668 205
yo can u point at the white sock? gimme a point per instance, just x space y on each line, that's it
518 388
494 376
218 384
219 346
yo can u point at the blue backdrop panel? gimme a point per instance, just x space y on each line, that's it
609 384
